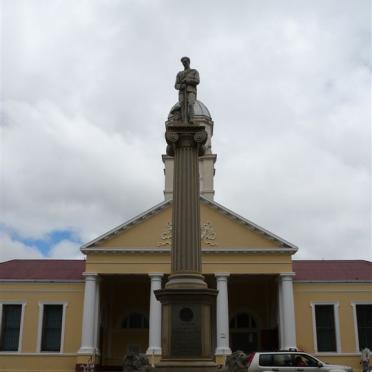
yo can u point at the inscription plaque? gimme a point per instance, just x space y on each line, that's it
186 330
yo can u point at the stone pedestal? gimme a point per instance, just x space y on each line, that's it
187 303
187 340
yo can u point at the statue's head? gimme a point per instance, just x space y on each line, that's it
185 61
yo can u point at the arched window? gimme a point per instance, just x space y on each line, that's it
243 320
135 321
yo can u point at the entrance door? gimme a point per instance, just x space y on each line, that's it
243 333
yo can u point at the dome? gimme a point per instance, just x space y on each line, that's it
200 109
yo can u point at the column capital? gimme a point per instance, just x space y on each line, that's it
221 275
90 276
155 275
287 276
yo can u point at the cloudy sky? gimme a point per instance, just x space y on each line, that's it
87 86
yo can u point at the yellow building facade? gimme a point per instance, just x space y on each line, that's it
62 315
108 308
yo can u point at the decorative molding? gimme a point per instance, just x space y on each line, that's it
252 226
42 290
166 236
62 281
39 354
354 281
115 231
205 250
207 235
159 207
334 290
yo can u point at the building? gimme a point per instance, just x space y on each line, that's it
57 314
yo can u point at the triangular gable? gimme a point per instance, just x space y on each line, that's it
221 229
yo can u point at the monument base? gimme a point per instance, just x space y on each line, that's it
187 330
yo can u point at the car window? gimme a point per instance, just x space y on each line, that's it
287 360
310 362
266 360
282 360
300 361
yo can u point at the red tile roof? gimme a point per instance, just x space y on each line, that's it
42 269
317 270
332 270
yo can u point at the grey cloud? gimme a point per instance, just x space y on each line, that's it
87 87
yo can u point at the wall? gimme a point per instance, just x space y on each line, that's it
343 294
29 358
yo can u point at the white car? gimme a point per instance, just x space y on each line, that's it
289 361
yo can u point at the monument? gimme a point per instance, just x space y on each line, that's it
187 302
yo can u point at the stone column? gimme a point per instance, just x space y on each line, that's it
222 310
186 144
187 302
287 313
89 318
280 315
97 315
155 316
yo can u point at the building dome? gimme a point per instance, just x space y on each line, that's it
200 109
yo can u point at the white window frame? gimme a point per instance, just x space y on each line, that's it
11 302
355 319
40 326
336 308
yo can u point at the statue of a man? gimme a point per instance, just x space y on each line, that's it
186 82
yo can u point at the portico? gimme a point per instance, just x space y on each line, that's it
248 313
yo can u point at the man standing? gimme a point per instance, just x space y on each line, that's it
186 82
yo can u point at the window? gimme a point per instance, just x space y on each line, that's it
325 328
51 334
302 360
10 327
275 360
364 325
135 321
242 320
282 360
266 360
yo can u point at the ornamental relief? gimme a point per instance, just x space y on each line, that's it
207 235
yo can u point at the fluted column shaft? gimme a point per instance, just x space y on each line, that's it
186 145
186 207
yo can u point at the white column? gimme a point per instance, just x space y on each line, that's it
222 309
280 314
287 313
97 315
155 316
88 325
